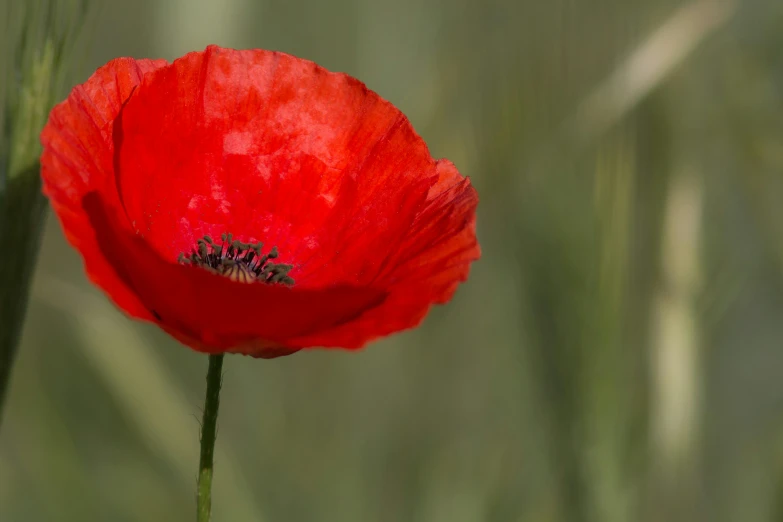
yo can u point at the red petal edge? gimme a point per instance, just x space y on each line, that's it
77 158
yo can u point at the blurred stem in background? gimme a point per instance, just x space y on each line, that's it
675 361
40 38
609 378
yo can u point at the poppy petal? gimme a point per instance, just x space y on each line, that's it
276 149
77 159
213 313
432 260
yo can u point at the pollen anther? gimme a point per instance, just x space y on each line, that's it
238 261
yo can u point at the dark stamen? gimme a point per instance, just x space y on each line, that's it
237 260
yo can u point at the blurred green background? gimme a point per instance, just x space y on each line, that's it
617 354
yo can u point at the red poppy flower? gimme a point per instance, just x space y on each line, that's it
253 202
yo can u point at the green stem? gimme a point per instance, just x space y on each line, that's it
22 209
208 435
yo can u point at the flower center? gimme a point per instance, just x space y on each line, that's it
238 261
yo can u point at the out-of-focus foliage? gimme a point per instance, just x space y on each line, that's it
617 354
38 40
